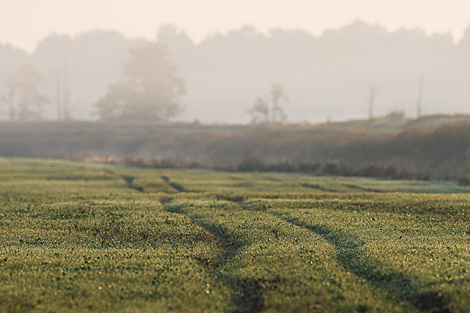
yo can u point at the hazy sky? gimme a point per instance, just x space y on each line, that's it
24 22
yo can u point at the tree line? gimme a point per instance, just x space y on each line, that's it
149 90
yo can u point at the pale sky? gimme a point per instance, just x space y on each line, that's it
24 22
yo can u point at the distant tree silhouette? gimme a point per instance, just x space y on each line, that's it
9 100
278 95
24 99
420 98
259 111
374 91
148 91
262 112
63 95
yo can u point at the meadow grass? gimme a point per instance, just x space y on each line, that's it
85 237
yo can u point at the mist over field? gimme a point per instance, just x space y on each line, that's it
325 77
235 156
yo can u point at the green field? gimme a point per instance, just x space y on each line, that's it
85 237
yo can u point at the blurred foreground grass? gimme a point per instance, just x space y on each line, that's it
82 237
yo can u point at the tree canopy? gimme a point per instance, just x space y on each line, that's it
148 91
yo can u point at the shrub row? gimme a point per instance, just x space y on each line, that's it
257 165
390 171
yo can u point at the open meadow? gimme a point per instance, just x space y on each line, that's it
80 237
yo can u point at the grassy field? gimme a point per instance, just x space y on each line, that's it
84 237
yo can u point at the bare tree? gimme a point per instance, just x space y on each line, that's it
63 92
278 95
58 95
420 98
66 90
9 101
374 91
259 111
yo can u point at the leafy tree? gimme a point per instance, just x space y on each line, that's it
148 91
24 99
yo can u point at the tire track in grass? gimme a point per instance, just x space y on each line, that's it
176 186
130 183
352 256
318 187
251 298
363 188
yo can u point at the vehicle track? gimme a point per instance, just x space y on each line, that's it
351 255
173 185
250 292
130 183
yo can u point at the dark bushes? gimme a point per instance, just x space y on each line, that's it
163 163
463 180
371 170
251 165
